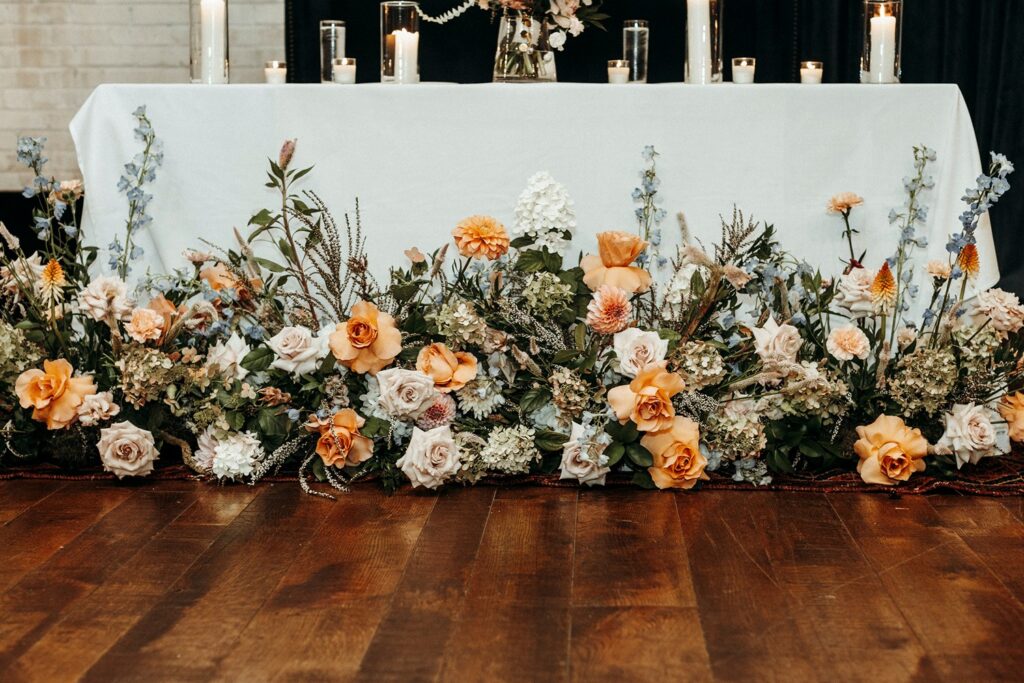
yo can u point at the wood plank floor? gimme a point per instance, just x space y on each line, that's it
178 581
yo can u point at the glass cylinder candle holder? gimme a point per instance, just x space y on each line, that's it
399 42
208 41
275 72
883 38
635 39
703 41
345 70
743 70
332 46
811 72
618 71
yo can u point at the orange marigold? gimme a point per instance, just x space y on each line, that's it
481 237
883 288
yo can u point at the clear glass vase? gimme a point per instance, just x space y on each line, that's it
524 51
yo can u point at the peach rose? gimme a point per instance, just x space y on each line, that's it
616 251
52 393
647 400
340 443
678 462
449 370
481 237
1012 410
889 451
368 341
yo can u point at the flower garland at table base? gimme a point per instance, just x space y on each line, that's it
507 362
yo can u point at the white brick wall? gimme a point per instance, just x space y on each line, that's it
54 52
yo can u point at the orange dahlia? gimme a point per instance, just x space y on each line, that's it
609 311
883 289
481 237
969 261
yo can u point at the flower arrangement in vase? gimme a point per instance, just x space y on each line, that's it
530 32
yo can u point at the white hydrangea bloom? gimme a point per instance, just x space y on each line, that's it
236 454
509 450
545 212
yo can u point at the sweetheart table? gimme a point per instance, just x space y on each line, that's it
420 158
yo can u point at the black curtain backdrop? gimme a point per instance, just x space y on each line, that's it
977 44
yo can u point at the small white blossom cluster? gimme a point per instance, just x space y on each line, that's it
546 213
231 455
509 450
481 396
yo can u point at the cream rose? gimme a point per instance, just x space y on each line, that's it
848 342
777 343
105 297
406 394
127 450
969 435
97 408
575 464
1002 308
298 350
431 458
227 357
853 292
636 349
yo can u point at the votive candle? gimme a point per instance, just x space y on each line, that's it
618 71
275 73
811 72
743 70
345 70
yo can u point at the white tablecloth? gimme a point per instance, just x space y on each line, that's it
420 158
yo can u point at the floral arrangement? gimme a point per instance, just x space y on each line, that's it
498 353
562 17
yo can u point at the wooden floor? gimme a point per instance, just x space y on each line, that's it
179 581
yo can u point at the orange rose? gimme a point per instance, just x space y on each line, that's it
617 250
449 370
647 400
53 393
340 443
481 237
368 341
678 462
1012 410
889 451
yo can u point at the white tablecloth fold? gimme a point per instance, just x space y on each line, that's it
420 158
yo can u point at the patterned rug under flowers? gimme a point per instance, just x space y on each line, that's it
1003 476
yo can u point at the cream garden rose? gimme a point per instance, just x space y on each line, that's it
969 436
127 450
853 292
777 343
105 298
848 342
226 357
431 458
575 461
298 351
636 349
406 394
97 408
1002 308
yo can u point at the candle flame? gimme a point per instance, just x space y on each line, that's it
882 10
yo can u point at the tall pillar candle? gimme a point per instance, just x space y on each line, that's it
406 56
883 47
698 41
213 40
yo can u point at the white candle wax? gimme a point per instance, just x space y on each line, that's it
213 39
698 41
883 48
810 75
275 75
406 56
345 73
743 74
618 74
